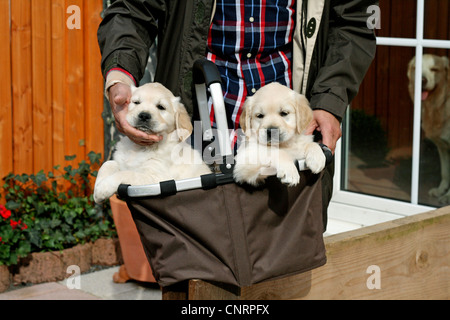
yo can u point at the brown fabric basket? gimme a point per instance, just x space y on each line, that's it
233 234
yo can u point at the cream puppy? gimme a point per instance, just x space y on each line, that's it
155 110
435 98
273 121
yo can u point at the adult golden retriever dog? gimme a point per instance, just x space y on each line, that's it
435 113
273 121
153 109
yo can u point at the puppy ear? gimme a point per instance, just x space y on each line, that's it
411 65
303 112
246 115
182 120
133 88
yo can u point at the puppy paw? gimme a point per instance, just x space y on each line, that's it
315 160
288 174
445 199
249 174
104 190
439 191
99 196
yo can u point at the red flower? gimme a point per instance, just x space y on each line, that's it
14 224
5 213
23 227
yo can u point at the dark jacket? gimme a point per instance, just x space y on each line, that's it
342 51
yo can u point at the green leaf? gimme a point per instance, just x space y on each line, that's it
69 158
94 158
40 178
35 238
12 205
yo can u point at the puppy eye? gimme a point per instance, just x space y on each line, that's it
160 107
260 115
284 113
434 69
136 102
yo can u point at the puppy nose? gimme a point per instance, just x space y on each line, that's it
144 116
424 82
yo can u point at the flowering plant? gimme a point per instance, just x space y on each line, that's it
46 212
13 242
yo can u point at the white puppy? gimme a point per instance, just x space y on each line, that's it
273 121
153 109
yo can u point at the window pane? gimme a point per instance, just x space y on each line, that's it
437 23
398 18
435 142
378 132
379 129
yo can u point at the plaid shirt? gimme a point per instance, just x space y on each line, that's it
251 43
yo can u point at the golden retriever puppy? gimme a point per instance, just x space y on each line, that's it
273 121
155 110
435 113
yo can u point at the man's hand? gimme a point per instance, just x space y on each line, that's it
327 124
119 99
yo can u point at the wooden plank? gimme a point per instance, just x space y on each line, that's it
74 126
58 79
413 255
6 146
42 89
22 86
408 258
94 79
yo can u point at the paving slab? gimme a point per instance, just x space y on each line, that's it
98 285
47 291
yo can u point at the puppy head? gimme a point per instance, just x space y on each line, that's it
274 114
435 72
155 110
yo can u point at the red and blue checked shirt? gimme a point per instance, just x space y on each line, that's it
251 43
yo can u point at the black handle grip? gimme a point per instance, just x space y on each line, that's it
122 191
327 152
205 71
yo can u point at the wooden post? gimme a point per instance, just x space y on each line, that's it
6 129
204 290
177 291
42 85
21 66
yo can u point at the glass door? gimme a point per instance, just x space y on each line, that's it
394 157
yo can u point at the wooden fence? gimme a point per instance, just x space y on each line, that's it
51 93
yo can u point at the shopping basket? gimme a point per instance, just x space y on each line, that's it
211 228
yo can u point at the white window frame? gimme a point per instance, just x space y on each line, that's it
366 209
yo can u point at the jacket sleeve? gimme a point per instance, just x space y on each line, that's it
126 34
351 47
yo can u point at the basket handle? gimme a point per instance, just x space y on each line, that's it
207 77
